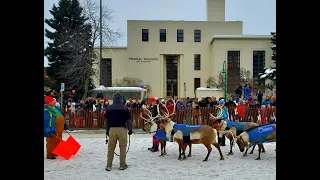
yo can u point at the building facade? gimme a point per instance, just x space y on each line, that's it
176 57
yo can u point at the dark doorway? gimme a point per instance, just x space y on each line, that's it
106 72
172 75
233 70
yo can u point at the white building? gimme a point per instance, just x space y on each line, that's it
179 56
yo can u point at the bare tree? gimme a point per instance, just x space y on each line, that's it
110 36
245 76
91 10
131 82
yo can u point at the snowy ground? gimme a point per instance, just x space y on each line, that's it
90 161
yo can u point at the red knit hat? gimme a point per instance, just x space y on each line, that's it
105 99
152 99
49 99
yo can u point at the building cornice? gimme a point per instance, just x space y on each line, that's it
255 37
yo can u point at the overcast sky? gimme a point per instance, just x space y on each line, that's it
258 16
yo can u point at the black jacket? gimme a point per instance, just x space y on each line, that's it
154 111
135 105
118 115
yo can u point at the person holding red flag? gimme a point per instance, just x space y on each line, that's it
54 124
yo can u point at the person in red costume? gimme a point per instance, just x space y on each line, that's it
170 106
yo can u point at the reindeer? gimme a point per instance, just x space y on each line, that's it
256 135
185 134
232 130
152 127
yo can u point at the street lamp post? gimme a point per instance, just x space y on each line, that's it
225 79
100 59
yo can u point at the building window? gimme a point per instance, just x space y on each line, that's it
258 66
233 71
163 36
172 75
180 35
197 83
197 35
106 72
197 64
145 34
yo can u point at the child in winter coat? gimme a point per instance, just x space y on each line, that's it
263 112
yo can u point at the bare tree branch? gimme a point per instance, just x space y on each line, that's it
92 11
131 82
109 36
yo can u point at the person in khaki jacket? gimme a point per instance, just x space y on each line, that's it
118 120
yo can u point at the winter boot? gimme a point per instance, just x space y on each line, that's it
52 157
108 168
153 145
156 148
123 168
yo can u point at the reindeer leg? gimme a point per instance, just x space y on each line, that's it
231 144
251 152
218 147
245 154
164 148
189 155
184 151
260 147
209 151
179 158
263 150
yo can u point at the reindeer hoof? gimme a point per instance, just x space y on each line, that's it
263 151
205 160
251 152
161 155
179 158
165 153
222 158
230 153
257 158
244 155
189 155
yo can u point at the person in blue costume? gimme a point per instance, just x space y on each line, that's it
222 115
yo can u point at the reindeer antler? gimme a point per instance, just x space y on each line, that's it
163 104
149 114
212 117
145 120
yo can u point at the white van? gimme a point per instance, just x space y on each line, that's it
209 92
133 92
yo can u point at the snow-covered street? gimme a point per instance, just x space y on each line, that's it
90 161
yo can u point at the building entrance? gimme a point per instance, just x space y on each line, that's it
172 75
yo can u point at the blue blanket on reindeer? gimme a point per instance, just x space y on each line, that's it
259 134
186 130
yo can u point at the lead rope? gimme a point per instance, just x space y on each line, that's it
127 149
